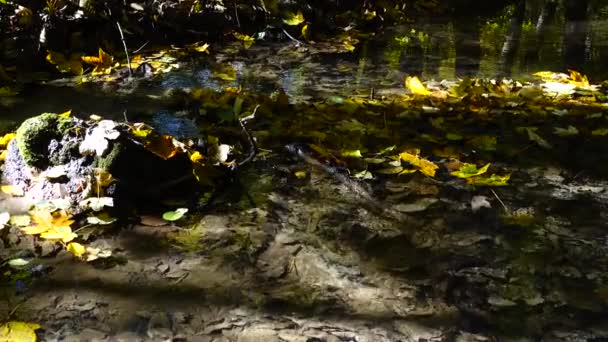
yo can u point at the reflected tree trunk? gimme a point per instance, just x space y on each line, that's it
576 30
512 41
541 31
468 46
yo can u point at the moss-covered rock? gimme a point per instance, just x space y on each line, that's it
35 134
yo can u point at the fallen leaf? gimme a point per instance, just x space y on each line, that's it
103 63
425 166
294 19
15 331
175 215
76 249
12 190
414 85
470 170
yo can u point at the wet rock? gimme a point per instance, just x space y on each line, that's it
56 157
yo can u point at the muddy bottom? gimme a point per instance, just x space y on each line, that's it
285 259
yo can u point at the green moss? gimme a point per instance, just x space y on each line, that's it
110 158
34 135
33 138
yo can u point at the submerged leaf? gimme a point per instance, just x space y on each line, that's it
493 180
470 170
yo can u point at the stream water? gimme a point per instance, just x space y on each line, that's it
286 258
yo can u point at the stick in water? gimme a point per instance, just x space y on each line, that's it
124 44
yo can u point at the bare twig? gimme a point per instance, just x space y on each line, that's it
124 44
141 47
291 37
236 15
501 202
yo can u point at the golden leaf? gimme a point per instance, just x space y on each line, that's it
294 19
76 249
414 85
103 63
12 190
18 331
425 166
7 139
66 65
245 39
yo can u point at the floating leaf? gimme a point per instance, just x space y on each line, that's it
20 220
63 233
493 180
103 63
390 170
18 262
300 174
363 175
600 131
425 166
97 203
533 136
76 249
565 132
97 253
578 79
294 19
175 215
414 85
101 220
71 65
12 190
305 32
352 153
18 331
470 170
245 39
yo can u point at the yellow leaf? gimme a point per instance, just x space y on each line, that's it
45 221
12 190
348 46
162 145
201 48
66 114
470 170
305 32
600 131
103 63
294 19
300 174
72 65
414 85
493 180
425 166
7 139
3 155
62 233
18 331
245 39
196 157
76 249
352 153
578 79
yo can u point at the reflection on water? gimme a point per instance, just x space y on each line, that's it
511 41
